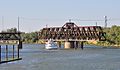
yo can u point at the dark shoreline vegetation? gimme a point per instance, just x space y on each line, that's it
112 37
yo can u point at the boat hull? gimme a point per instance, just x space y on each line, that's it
51 48
51 45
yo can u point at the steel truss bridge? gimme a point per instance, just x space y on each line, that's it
71 32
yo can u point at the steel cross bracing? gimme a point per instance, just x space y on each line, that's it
71 32
10 36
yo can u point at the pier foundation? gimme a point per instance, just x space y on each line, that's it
67 45
71 44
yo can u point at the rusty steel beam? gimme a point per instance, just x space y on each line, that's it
10 36
71 31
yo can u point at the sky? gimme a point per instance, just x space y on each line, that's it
36 14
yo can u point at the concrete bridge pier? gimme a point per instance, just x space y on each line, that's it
70 44
67 45
73 44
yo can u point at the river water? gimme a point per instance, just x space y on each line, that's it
35 57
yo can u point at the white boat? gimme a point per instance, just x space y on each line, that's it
51 45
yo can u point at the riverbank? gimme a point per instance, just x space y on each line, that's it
102 44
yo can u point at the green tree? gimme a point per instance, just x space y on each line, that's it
30 37
112 36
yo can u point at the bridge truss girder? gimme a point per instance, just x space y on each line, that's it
72 32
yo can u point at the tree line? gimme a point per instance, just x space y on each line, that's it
31 37
112 36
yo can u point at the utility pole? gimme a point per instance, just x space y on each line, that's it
18 23
2 22
96 23
46 26
69 20
105 21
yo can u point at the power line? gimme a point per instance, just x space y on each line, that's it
63 19
114 19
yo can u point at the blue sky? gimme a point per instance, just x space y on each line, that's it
35 14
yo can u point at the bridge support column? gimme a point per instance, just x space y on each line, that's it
68 45
81 45
59 44
71 44
76 44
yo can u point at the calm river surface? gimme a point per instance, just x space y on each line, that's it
35 57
